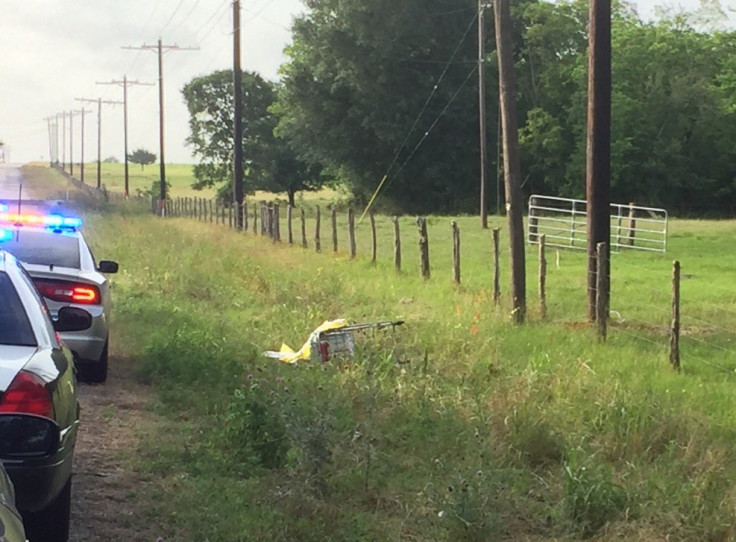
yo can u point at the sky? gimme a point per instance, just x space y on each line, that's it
55 51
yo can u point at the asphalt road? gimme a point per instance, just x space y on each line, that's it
11 180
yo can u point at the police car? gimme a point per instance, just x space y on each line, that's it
39 409
53 251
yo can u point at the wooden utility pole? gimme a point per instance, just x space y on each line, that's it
482 113
50 128
512 168
125 84
161 49
238 113
99 102
81 159
63 141
598 152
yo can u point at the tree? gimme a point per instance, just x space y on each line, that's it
142 157
369 89
269 161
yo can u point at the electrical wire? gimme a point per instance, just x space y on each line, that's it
421 113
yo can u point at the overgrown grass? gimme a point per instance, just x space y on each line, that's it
460 425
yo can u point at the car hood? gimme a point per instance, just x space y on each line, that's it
12 360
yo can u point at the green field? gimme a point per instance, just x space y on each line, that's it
459 425
179 177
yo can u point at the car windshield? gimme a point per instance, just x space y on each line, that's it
15 328
43 247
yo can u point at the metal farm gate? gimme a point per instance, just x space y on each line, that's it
563 223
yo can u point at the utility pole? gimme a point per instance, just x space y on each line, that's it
51 145
81 159
99 102
598 152
512 168
482 112
238 120
161 49
63 141
125 84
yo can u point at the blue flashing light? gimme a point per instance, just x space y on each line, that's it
5 235
3 207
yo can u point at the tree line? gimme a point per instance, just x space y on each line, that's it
384 93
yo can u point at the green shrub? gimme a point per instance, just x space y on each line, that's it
592 499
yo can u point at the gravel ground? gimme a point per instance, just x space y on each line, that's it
105 489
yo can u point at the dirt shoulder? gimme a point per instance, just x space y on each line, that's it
106 488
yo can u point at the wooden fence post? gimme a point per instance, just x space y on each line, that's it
304 227
423 247
276 223
317 242
601 290
374 242
270 215
255 218
244 210
542 276
632 223
351 232
288 224
397 244
264 218
455 253
230 215
217 211
334 227
496 269
675 326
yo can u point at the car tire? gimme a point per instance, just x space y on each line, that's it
95 371
52 523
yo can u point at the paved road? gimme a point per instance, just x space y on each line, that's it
11 180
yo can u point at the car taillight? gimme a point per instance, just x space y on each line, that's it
27 394
68 292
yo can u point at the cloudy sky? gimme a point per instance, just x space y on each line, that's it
54 51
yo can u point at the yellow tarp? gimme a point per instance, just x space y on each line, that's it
287 355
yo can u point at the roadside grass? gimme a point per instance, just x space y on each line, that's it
459 425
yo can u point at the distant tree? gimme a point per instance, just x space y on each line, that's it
142 157
111 160
270 163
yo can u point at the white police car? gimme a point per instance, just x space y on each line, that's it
54 253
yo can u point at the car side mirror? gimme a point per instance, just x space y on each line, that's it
27 435
72 319
107 266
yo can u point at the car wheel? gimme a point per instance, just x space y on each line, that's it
52 523
95 371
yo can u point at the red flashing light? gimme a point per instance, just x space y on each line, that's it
27 394
68 292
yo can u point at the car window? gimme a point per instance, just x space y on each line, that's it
49 327
15 328
43 248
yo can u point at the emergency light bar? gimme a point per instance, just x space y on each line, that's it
52 221
3 207
5 235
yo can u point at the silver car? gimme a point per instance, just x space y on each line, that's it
53 251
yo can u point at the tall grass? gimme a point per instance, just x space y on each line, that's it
459 425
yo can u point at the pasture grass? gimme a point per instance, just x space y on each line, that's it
459 425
